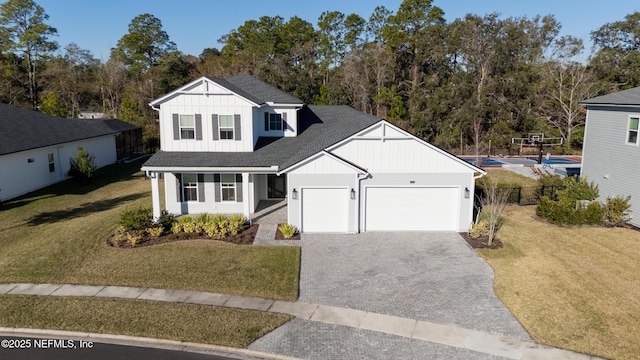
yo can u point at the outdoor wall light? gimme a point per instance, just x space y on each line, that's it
353 194
294 194
467 193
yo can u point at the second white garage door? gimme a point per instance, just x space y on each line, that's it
411 208
325 210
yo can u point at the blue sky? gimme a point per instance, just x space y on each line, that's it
96 25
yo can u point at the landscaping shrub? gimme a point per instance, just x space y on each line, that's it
222 225
83 166
183 224
201 221
564 205
236 223
133 237
167 220
481 228
136 219
155 231
616 210
287 230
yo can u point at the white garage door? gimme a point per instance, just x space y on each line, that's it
411 208
325 210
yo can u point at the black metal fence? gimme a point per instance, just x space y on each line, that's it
523 195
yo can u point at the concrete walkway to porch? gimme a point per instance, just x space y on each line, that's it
268 215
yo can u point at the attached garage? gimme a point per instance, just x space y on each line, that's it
411 208
325 210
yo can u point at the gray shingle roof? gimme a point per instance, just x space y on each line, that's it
319 127
110 124
262 90
22 129
625 97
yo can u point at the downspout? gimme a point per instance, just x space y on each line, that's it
359 178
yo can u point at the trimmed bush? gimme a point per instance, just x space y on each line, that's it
564 206
616 210
136 219
287 230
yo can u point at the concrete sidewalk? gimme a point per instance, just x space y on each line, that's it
449 335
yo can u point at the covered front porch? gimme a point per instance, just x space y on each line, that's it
216 192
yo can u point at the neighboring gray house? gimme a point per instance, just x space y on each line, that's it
36 148
611 150
228 144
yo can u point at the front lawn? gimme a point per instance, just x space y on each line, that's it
181 322
59 234
576 288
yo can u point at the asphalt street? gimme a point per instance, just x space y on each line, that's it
23 348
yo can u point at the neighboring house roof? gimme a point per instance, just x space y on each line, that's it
110 124
625 97
261 90
320 127
23 129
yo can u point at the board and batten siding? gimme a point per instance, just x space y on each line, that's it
26 176
607 159
195 100
395 152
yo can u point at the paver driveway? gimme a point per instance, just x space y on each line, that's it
432 276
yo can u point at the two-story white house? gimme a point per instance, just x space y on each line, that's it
227 144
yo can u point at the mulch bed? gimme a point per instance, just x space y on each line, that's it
279 235
245 237
482 242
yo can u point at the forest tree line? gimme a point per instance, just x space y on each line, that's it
459 84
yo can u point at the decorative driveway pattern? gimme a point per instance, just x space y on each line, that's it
430 276
313 340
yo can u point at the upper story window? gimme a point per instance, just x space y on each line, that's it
226 127
274 122
187 127
632 131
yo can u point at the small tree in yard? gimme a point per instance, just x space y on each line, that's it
493 201
83 166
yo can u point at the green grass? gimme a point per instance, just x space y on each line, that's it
181 322
509 177
574 288
59 234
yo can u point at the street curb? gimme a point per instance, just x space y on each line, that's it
138 341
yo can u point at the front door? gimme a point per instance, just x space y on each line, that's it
276 186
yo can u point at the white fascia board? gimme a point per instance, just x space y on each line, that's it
273 104
433 147
319 154
202 79
202 170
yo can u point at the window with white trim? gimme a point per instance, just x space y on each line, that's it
632 131
187 127
189 187
226 127
52 164
228 187
275 122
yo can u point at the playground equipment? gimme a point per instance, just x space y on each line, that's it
538 140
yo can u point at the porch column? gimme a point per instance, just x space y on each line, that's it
155 194
246 203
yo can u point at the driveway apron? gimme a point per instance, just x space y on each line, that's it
431 276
